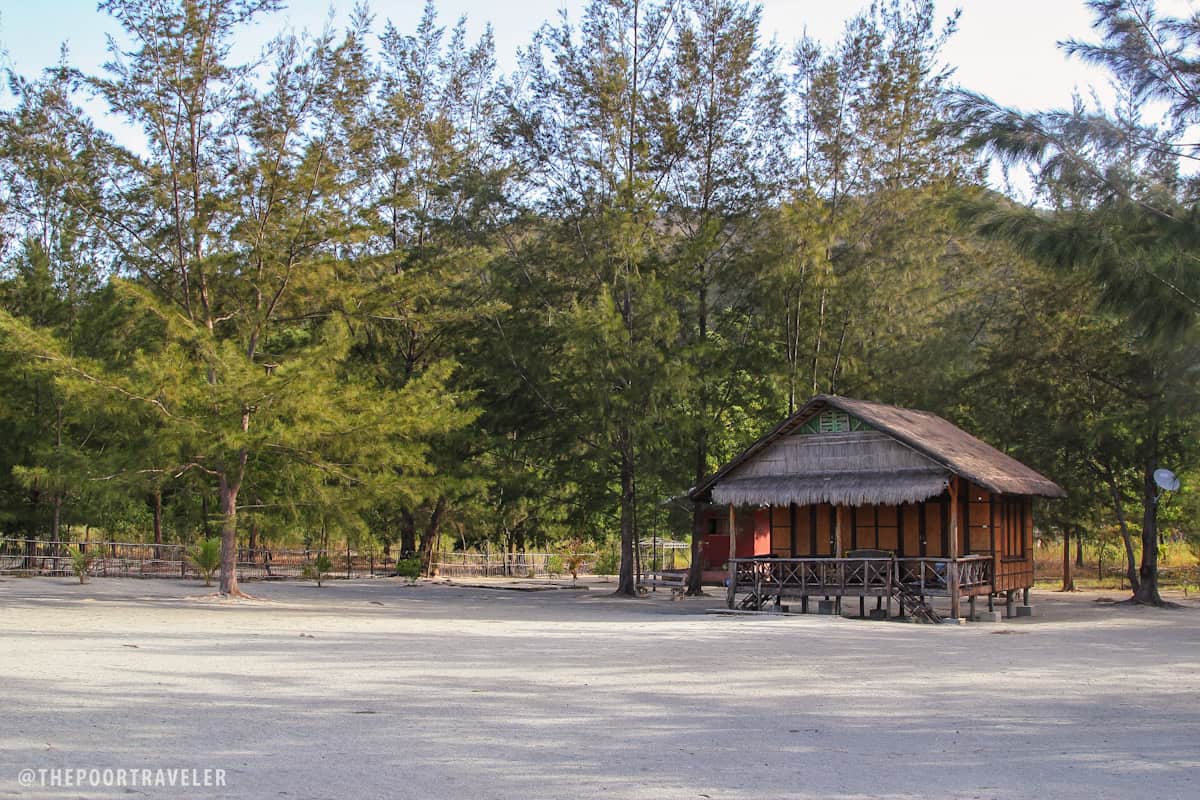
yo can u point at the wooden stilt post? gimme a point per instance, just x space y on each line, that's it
732 556
952 566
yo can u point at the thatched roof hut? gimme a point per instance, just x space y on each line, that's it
867 453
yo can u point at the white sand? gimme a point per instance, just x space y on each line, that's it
448 692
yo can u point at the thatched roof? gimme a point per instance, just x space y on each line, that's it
844 489
899 455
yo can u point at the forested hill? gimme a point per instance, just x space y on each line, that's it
370 290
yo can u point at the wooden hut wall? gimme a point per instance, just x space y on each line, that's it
977 520
910 529
987 524
1014 542
1000 525
781 531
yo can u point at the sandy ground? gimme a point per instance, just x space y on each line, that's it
374 689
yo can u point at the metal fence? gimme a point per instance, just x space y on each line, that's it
134 560
508 565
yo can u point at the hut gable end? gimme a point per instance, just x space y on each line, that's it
850 452
825 453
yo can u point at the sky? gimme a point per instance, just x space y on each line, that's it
1006 49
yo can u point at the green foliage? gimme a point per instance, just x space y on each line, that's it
574 556
81 562
205 557
409 568
318 568
554 565
1117 234
607 563
402 302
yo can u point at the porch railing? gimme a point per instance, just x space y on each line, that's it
931 576
770 577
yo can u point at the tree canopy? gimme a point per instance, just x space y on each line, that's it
365 287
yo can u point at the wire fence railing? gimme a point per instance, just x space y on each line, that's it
137 560
148 560
506 565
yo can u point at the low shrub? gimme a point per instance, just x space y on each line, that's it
206 558
574 557
81 563
607 563
409 568
318 568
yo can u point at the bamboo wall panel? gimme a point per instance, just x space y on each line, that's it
1027 506
912 530
781 531
887 539
864 530
933 529
824 520
804 532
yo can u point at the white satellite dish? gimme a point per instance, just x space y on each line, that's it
1167 481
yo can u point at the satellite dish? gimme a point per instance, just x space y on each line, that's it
1167 481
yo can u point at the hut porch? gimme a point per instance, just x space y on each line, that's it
771 582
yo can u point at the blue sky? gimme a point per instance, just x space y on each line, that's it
1005 48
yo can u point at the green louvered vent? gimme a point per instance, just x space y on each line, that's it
833 422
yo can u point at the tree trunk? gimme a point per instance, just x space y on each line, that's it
429 538
625 579
1147 590
204 514
228 488
156 504
228 500
696 571
1126 539
518 558
408 534
56 519
1078 549
1068 582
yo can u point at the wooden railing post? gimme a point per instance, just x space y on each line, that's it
732 554
952 584
952 567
